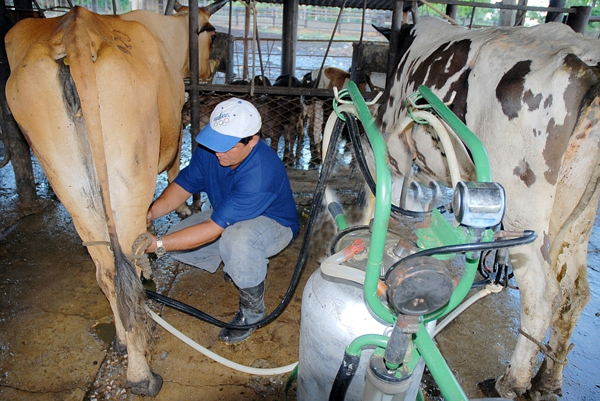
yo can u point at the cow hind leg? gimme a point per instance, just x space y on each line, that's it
184 210
126 296
105 281
538 304
572 275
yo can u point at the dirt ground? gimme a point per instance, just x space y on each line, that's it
56 326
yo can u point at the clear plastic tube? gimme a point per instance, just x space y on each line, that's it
331 266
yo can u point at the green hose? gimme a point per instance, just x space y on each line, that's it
291 378
356 346
383 206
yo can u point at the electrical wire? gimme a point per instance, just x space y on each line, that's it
528 237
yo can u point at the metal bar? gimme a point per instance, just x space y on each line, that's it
268 90
337 21
394 38
289 37
246 47
504 6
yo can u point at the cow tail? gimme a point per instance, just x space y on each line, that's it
83 90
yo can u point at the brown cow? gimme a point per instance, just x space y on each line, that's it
317 110
99 100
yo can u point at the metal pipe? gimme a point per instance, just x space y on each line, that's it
289 37
394 37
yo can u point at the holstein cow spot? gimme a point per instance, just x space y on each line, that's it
524 172
533 101
509 91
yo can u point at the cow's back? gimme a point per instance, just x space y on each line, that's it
522 91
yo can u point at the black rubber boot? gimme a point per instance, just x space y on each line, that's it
252 309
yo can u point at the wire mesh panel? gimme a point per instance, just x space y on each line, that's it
293 126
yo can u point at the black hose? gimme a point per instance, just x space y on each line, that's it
315 213
344 377
528 237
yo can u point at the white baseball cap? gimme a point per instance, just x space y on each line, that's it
230 121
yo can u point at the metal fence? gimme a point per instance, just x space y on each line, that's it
293 126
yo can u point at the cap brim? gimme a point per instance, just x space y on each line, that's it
215 141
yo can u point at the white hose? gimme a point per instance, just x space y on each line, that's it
218 358
489 289
349 108
442 133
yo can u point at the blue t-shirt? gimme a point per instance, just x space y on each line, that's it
259 186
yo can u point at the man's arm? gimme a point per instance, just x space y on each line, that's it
189 237
172 197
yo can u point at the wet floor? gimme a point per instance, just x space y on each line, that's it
56 326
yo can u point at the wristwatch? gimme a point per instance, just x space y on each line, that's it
160 248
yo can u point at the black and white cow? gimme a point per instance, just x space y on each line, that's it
532 97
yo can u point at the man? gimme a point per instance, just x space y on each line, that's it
254 215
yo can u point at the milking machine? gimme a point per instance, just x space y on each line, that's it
369 312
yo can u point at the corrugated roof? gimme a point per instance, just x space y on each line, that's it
371 4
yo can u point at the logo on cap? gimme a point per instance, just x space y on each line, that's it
221 120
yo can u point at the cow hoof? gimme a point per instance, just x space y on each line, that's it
544 395
488 388
184 211
119 347
146 387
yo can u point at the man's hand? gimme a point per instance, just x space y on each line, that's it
172 197
152 247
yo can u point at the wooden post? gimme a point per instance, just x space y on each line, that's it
452 11
578 21
14 142
507 17
552 16
289 37
394 37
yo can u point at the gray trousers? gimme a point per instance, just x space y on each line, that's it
244 248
